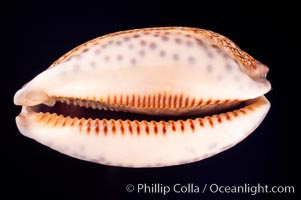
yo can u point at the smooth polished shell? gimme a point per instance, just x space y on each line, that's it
214 89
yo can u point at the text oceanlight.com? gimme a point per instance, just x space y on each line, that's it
191 188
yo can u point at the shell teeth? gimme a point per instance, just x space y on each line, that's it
79 102
94 106
50 102
174 106
75 103
60 100
99 106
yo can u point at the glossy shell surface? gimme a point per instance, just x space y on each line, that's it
165 71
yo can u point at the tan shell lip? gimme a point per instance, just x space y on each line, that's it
139 126
123 134
153 105
76 108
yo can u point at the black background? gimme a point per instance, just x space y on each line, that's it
42 32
